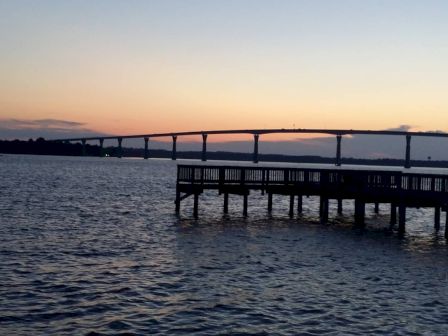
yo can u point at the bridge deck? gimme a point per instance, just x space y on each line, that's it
400 189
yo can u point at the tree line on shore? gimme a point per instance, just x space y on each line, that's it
41 146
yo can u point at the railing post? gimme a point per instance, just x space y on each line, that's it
338 149
173 152
146 154
243 176
222 176
256 136
407 163
286 176
204 147
120 149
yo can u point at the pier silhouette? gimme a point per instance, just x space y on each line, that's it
399 189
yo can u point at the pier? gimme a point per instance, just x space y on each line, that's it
401 190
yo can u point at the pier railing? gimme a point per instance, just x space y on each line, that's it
262 177
397 188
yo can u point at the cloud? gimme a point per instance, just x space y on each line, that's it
401 128
39 123
46 128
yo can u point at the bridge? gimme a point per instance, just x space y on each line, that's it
398 189
256 133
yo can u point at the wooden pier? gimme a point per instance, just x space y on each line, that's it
399 189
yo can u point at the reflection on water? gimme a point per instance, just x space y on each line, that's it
93 246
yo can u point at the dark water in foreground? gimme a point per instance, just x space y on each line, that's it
93 246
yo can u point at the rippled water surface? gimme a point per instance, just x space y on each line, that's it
92 246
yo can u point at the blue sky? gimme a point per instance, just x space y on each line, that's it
123 67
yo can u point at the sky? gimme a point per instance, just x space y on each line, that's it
125 67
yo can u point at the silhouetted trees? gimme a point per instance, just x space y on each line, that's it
42 147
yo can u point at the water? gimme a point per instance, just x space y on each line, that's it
92 246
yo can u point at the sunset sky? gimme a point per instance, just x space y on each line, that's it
123 67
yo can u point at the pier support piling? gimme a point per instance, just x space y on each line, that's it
446 225
196 205
339 206
146 154
299 204
245 205
393 215
256 137
437 218
269 202
324 210
204 147
377 208
360 211
291 206
226 203
173 152
401 219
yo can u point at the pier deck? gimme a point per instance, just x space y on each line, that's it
397 188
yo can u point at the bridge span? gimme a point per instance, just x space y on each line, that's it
256 133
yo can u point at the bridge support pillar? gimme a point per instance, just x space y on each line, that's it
83 151
120 149
245 205
393 215
437 218
226 203
339 206
196 205
204 147
299 204
256 137
173 152
269 202
407 163
146 154
324 210
101 147
291 206
401 219
360 211
338 149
